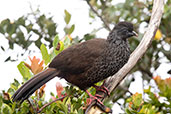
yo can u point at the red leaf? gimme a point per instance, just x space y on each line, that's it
36 65
59 89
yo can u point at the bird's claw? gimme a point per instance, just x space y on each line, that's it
92 98
103 89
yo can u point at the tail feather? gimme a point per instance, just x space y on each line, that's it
33 84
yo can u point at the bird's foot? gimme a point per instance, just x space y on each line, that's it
103 89
99 96
92 98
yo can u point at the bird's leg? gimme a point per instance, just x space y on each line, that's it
99 96
102 88
93 98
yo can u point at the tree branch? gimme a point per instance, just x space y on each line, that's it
44 106
114 81
98 15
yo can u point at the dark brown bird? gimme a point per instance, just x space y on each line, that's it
86 63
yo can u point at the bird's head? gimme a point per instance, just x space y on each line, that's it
124 30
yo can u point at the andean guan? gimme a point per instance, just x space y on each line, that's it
86 63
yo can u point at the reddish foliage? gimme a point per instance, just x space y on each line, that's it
36 65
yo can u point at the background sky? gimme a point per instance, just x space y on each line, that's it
14 9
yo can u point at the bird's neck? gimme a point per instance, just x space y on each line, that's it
114 39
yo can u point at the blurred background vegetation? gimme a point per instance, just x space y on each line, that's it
41 30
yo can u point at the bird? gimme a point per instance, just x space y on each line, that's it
85 63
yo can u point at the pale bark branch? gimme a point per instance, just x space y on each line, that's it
114 81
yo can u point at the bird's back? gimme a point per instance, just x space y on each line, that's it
78 58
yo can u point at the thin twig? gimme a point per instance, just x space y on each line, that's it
126 89
44 106
105 23
89 107
31 105
146 71
120 106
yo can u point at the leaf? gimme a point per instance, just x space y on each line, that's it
25 72
88 36
36 66
11 28
52 55
62 106
15 84
41 91
137 99
128 111
67 17
38 43
67 41
6 96
45 55
11 45
55 44
21 21
71 29
55 41
51 29
8 59
59 48
2 30
158 35
6 109
2 48
59 89
5 22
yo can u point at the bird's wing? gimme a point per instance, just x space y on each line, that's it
78 58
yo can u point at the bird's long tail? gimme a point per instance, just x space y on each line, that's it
33 84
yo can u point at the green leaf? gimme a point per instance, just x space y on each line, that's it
62 106
80 111
5 22
137 99
15 84
71 29
67 41
67 17
21 21
1 101
52 55
38 43
2 30
6 109
88 37
128 111
55 41
59 48
51 29
11 28
55 44
45 55
25 72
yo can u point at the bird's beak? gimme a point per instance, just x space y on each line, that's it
134 34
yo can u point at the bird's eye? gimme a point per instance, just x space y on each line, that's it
125 31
